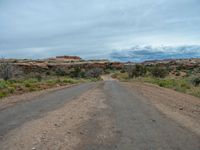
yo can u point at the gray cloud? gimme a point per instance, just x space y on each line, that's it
139 54
94 28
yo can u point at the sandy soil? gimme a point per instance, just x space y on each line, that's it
59 128
182 108
108 115
14 99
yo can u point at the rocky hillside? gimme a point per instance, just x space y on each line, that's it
66 63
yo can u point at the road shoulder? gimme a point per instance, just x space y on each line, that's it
182 108
14 99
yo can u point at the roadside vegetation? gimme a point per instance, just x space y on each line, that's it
10 87
35 81
179 78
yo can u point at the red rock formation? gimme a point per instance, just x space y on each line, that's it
69 57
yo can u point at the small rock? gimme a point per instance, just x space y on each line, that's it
181 108
68 132
57 125
33 148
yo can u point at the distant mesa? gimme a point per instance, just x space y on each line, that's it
67 58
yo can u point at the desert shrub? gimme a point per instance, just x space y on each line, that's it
12 81
107 71
3 84
94 73
60 72
120 76
38 77
3 94
159 72
33 88
94 79
69 81
58 81
122 71
136 70
76 72
196 93
109 66
11 89
48 73
185 85
115 75
196 81
130 70
5 71
27 85
188 73
51 82
177 73
168 83
31 80
82 74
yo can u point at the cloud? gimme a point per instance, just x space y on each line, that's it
139 54
93 28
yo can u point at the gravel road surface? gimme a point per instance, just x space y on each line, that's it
106 115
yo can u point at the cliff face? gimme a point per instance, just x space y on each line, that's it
21 67
69 57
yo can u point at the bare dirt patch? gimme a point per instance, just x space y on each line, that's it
11 100
59 129
182 108
107 77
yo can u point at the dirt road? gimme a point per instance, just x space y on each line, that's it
106 115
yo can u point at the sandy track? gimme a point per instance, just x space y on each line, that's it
183 108
57 129
13 100
107 115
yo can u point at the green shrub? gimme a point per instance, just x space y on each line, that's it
48 73
32 80
75 73
51 82
136 70
197 93
3 94
159 72
5 70
11 90
185 85
60 72
69 81
3 84
94 73
196 81
122 71
177 73
82 74
27 85
33 89
12 81
38 77
58 81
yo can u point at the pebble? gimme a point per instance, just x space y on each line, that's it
181 108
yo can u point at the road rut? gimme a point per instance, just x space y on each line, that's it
102 116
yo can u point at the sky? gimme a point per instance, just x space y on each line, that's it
124 30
